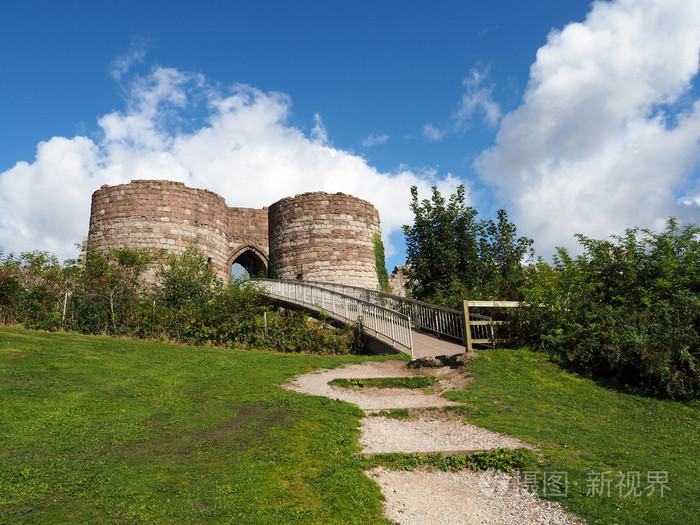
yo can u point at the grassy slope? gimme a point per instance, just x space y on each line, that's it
581 427
104 430
96 429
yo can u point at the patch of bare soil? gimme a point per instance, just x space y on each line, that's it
450 378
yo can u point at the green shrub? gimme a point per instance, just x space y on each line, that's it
626 311
188 304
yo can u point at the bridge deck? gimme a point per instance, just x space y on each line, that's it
425 345
386 325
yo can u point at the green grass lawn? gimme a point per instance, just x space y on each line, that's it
96 430
593 434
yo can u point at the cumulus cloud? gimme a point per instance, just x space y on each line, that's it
607 136
477 98
244 149
373 140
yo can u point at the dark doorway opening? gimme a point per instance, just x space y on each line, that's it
248 264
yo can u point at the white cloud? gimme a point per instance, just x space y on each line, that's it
373 140
433 134
595 148
319 134
477 98
121 65
246 151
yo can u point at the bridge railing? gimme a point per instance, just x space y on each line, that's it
381 321
444 322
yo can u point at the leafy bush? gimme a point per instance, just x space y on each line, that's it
108 294
296 332
186 280
626 310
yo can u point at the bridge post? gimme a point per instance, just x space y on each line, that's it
467 328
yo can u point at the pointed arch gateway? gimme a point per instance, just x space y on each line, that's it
251 258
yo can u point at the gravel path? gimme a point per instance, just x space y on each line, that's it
368 398
432 497
381 435
463 497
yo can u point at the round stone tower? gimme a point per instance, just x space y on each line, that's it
160 214
325 237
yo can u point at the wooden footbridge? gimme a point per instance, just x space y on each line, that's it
388 318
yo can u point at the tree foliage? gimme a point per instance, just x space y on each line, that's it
114 278
451 255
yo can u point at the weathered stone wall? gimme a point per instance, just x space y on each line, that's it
247 231
160 214
325 237
398 281
316 236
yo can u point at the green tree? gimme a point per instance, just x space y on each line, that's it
451 255
501 254
9 288
113 279
42 288
187 280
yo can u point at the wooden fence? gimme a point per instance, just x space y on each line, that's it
478 325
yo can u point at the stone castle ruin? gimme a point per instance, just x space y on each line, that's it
314 236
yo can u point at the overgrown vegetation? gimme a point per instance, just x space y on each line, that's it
380 263
451 255
386 382
187 303
626 310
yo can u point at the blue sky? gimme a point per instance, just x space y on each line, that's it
573 116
